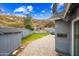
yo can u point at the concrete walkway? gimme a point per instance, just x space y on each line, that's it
42 47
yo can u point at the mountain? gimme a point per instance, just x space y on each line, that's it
42 23
11 21
18 21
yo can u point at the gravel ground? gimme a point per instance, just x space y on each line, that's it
42 47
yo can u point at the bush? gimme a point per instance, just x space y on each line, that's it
28 27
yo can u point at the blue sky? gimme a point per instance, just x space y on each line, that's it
36 10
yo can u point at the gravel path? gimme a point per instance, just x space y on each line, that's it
42 47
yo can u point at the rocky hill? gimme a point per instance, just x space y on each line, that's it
11 21
18 21
42 23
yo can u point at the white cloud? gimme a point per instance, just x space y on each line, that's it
3 13
43 11
51 11
8 14
51 5
60 4
19 15
26 12
41 15
35 15
29 8
24 9
20 9
2 10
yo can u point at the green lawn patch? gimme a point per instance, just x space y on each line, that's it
31 38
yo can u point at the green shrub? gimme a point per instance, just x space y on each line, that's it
28 27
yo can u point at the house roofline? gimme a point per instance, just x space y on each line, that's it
67 9
67 6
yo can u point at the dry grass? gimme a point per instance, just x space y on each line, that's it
11 21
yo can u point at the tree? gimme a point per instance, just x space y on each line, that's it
28 22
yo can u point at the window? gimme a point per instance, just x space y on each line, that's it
63 35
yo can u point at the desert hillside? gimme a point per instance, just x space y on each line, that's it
43 23
18 21
11 21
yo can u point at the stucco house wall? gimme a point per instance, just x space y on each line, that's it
62 44
73 17
65 44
